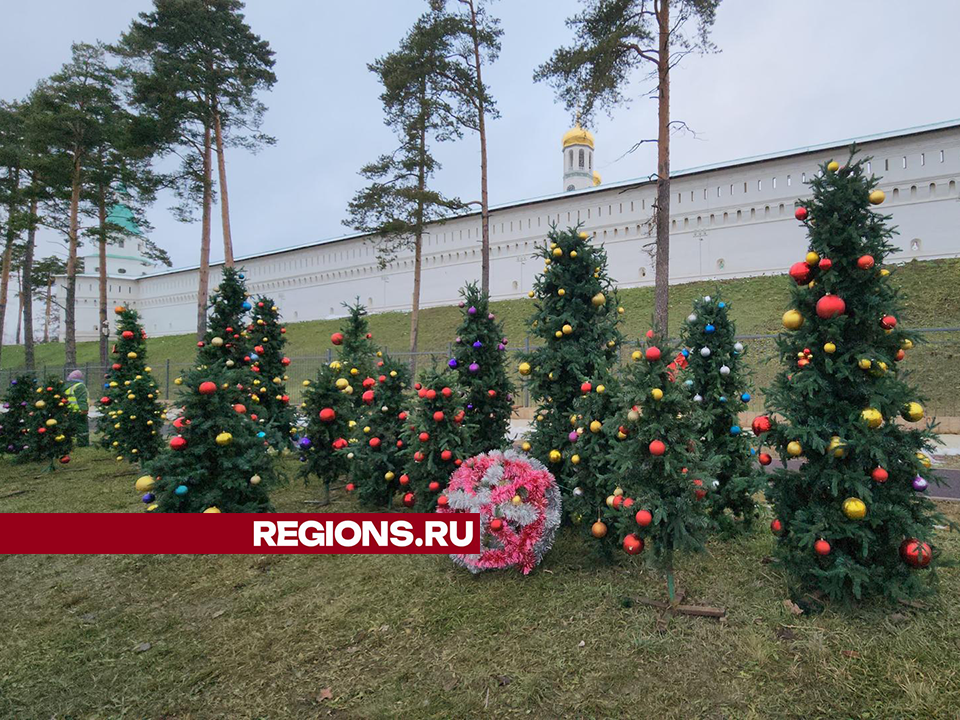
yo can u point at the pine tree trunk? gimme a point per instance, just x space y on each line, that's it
19 305
224 198
8 250
662 282
203 283
70 312
47 310
415 303
28 343
484 197
102 242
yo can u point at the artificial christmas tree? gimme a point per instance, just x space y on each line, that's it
227 340
435 440
850 521
50 425
328 407
661 484
479 362
131 413
217 461
268 393
576 317
716 378
374 454
356 350
14 423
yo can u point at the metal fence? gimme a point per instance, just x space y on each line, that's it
933 366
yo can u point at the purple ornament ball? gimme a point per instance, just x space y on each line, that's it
459 340
471 310
452 362
461 304
478 344
469 406
491 316
501 346
919 484
305 442
474 368
573 436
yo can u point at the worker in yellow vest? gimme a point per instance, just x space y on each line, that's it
79 403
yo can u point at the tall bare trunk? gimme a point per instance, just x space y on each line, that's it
102 242
9 239
224 199
484 197
203 283
70 312
662 289
47 310
19 305
415 303
28 349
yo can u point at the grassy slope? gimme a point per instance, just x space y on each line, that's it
930 290
406 636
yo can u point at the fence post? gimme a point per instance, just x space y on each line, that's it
166 384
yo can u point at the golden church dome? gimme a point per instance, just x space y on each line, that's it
578 136
596 178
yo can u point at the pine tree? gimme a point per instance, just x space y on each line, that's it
850 520
717 380
216 462
269 391
328 408
375 464
356 350
132 413
435 441
478 360
661 490
576 316
593 433
227 341
14 423
49 425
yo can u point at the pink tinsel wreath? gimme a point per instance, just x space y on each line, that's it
519 506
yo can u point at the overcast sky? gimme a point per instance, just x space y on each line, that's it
789 74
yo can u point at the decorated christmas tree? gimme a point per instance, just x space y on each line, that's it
271 404
435 442
661 488
217 461
132 415
356 350
14 423
50 425
328 408
576 317
227 340
593 433
478 359
375 465
717 381
852 521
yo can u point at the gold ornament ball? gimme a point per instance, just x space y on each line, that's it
40 404
598 530
51 422
516 500
561 292
558 252
656 394
558 334
567 329
575 459
145 484
620 311
838 447
924 460
555 456
584 235
633 416
912 411
224 439
601 389
389 475
794 448
792 320
212 510
854 508
596 426
872 417
609 501
829 348
877 197
524 368
573 253
864 364
833 166
217 341
131 355
599 299
525 446
812 258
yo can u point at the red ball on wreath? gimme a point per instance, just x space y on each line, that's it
401 415
821 547
652 353
424 437
116 366
632 545
644 518
207 388
178 443
698 492
409 499
657 448
493 393
915 553
446 392
337 338
830 306
430 394
240 408
800 213
369 382
285 361
800 272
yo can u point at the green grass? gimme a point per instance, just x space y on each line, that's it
931 300
411 636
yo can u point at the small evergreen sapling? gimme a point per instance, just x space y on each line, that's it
328 408
271 403
479 361
50 429
356 350
14 423
717 381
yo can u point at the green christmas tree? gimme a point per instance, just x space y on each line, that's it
435 441
132 415
576 317
479 362
328 408
662 486
217 461
227 340
49 424
717 379
852 522
356 350
271 403
593 433
375 464
14 423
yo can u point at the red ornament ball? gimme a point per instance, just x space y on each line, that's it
207 388
367 397
369 336
915 553
446 392
652 353
240 408
765 458
776 527
434 486
446 455
442 501
825 264
496 525
821 547
586 387
328 414
431 394
374 442
632 545
800 214
337 338
401 415
761 424
657 448
116 366
350 487
698 491
879 475
285 361
830 306
65 459
409 499
424 436
369 382
865 262
438 416
493 393
404 480
888 322
104 400
800 272
178 443
127 335
644 518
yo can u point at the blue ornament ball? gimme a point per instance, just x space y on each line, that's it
254 356
721 304
723 398
745 397
241 276
181 490
478 344
452 362
148 497
685 352
709 329
261 434
688 383
305 442
246 305
735 430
